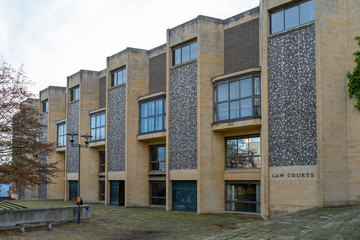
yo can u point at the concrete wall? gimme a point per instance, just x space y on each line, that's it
10 218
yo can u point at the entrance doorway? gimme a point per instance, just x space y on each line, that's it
117 193
73 190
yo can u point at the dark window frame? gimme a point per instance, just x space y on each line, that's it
157 197
115 80
244 156
102 160
283 9
101 190
63 135
253 96
93 129
75 94
45 106
152 161
190 44
257 203
163 114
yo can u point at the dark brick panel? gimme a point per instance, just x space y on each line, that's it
102 92
157 73
241 50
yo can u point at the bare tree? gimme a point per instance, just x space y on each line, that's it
20 131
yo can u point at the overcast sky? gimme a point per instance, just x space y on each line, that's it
56 38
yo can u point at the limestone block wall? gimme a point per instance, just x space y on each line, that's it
183 117
116 129
353 115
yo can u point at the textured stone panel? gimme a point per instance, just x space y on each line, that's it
116 131
183 117
292 98
72 158
44 119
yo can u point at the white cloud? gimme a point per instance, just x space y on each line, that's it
57 38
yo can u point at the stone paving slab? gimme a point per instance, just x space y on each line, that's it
119 223
317 223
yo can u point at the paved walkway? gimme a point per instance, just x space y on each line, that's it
317 223
119 223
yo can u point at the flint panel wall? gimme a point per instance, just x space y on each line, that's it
183 117
292 98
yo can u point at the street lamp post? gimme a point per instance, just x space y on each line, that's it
87 137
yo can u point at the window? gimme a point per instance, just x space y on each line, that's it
184 196
61 134
185 53
243 152
97 126
292 16
74 94
45 106
118 77
158 193
243 196
237 99
102 161
157 158
102 190
153 115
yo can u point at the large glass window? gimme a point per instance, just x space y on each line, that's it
74 94
101 190
243 152
237 99
184 196
243 196
292 16
153 115
97 127
185 53
158 158
61 134
158 193
45 106
102 161
118 77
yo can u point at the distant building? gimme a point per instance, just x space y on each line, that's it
248 114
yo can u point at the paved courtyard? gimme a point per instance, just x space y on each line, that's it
112 222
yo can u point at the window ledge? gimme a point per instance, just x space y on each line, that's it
183 64
100 143
117 86
152 136
235 74
236 125
155 172
60 149
283 32
243 213
242 170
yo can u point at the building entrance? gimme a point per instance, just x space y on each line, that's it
117 193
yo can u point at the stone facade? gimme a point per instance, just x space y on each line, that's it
116 130
72 163
308 128
292 98
183 120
